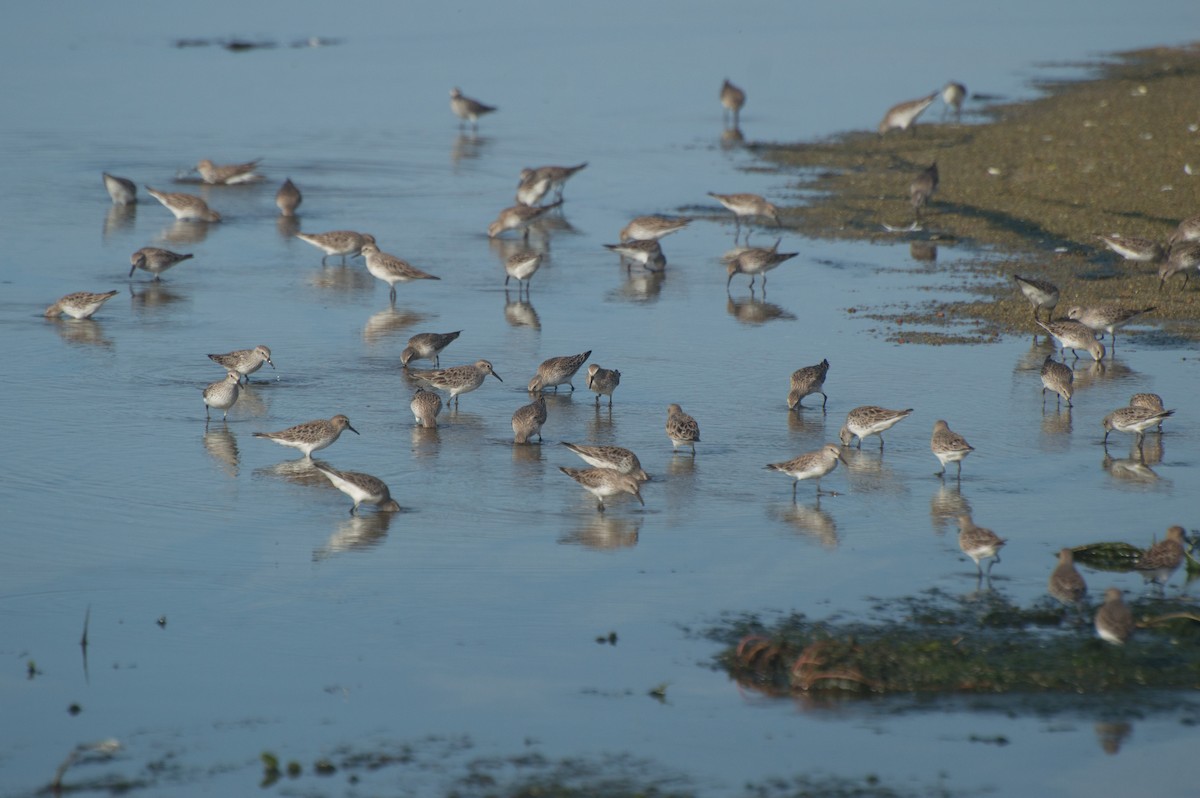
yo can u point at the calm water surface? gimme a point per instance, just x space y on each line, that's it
293 627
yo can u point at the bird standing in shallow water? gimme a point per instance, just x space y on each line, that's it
1114 620
732 100
810 465
806 381
361 488
979 543
948 447
682 429
80 305
468 109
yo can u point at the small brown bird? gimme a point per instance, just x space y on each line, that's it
904 115
1114 619
806 381
922 188
979 543
288 198
732 100
682 429
1164 557
1066 583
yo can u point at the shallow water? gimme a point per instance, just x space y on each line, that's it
290 626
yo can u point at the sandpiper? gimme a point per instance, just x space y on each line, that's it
467 109
682 429
517 217
391 269
948 446
870 420
1106 317
732 100
186 207
754 261
338 242
1114 619
1184 257
748 206
425 406
979 543
1188 230
1074 335
1040 294
1139 250
311 436
1066 583
528 419
120 190
228 174
603 382
617 458
810 465
648 252
222 395
521 266
602 482
244 361
1058 379
557 371
553 177
1149 400
922 188
81 305
361 488
1135 420
458 379
808 380
904 115
155 260
532 187
953 95
288 198
1162 559
427 346
644 228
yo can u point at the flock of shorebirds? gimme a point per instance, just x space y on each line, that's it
614 470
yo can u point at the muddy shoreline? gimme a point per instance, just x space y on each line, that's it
1026 191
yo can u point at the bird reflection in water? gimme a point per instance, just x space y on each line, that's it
1056 422
152 295
867 472
1112 735
604 531
809 521
426 441
299 472
184 232
467 147
220 443
529 453
732 137
601 425
923 251
641 286
346 279
1134 468
520 312
357 533
81 332
945 507
755 311
1097 371
388 322
287 227
119 219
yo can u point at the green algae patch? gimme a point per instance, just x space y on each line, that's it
1026 191
979 644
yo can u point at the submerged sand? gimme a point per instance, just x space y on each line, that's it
1026 192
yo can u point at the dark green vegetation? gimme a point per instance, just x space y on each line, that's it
980 643
1036 183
